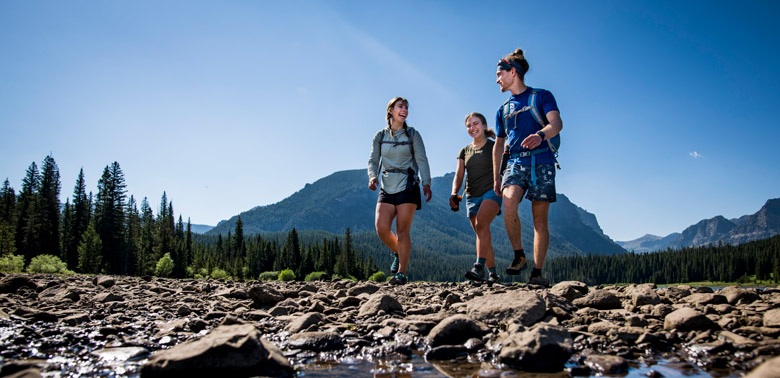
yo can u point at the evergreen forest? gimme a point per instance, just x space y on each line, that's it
108 233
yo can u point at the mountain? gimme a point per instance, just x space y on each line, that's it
343 200
763 224
200 228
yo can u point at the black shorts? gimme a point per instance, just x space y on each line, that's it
408 195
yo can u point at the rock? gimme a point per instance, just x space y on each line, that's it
735 294
233 350
599 299
768 369
678 292
26 373
456 329
544 348
644 296
11 284
309 288
421 327
304 322
607 364
601 328
105 281
349 301
35 314
263 295
446 352
772 318
687 319
705 299
58 294
108 297
366 288
570 290
525 306
232 293
75 319
316 341
377 303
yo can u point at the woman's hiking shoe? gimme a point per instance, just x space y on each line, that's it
539 281
518 264
398 279
395 264
493 278
477 273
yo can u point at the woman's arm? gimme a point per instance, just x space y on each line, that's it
457 181
373 160
498 152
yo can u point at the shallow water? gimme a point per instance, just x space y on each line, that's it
670 367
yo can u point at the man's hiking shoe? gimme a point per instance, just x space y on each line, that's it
493 278
477 273
394 265
518 264
398 279
539 281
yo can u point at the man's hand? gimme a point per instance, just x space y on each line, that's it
532 141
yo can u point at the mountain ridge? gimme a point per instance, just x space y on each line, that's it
763 224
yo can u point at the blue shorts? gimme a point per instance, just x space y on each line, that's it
520 175
473 203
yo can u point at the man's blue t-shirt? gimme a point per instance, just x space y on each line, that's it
523 124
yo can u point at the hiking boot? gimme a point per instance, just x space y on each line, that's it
398 279
539 281
518 264
477 273
494 278
395 264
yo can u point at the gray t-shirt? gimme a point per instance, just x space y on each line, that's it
479 168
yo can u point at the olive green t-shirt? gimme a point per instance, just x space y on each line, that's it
479 168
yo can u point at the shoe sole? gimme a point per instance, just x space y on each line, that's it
514 272
470 275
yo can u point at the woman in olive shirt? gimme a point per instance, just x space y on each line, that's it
482 203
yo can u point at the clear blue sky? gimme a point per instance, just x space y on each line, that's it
669 107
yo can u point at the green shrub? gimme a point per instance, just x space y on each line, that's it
269 276
315 276
219 274
164 266
11 263
286 275
378 277
47 264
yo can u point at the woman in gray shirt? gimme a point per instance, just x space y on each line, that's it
399 151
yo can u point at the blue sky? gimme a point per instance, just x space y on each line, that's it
669 107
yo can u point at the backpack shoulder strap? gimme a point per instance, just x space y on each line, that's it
534 109
505 115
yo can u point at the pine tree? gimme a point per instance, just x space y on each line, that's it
133 237
110 218
48 208
164 239
81 212
27 219
90 251
145 259
66 233
7 219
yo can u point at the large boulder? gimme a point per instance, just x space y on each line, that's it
570 290
772 318
518 305
231 350
543 348
263 295
599 299
377 303
769 369
735 294
687 319
11 284
456 329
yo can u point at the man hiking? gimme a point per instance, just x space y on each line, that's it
530 168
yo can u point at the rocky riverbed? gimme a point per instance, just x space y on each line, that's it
111 326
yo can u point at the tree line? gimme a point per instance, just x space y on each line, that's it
108 233
756 260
